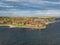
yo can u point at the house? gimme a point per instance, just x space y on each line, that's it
2 21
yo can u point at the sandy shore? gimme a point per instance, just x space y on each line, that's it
11 26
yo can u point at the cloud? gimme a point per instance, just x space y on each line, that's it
35 1
13 0
51 2
29 8
5 5
31 4
31 13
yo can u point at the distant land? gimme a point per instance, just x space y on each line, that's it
27 22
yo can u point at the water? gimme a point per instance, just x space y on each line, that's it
23 36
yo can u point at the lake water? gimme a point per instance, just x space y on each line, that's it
23 36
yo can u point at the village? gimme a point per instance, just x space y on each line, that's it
26 22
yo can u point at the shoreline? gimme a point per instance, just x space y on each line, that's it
27 22
27 26
12 26
32 27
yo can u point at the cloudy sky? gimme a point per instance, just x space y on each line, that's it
30 8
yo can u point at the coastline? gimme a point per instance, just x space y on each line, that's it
28 22
12 26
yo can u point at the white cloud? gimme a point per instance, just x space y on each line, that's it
31 13
5 5
13 0
31 3
34 1
51 2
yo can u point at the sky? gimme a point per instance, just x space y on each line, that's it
30 8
